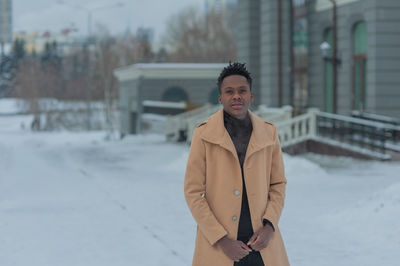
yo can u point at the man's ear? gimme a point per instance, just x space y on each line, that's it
219 99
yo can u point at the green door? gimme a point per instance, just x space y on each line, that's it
359 65
328 37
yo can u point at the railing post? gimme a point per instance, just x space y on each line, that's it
313 122
383 139
342 128
303 127
295 130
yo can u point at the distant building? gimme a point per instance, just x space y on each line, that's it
282 43
221 6
5 21
162 87
35 42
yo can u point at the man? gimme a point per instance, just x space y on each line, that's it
235 183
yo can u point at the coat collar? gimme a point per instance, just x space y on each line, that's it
216 133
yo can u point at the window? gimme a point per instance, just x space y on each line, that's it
360 44
175 94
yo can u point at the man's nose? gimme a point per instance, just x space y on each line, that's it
236 95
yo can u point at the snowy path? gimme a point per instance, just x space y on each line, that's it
69 200
74 199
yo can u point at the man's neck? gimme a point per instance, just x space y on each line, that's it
236 118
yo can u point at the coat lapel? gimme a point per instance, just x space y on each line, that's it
216 133
260 137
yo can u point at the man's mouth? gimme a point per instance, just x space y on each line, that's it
237 105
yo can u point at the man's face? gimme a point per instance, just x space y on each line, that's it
235 96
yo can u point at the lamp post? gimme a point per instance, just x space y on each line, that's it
334 33
89 42
326 48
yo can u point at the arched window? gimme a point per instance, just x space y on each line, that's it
359 65
175 94
328 84
213 96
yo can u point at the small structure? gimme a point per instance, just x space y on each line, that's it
143 85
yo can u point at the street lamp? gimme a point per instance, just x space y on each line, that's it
89 41
325 49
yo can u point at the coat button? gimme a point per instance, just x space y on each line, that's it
234 218
237 192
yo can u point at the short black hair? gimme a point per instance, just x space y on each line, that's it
234 69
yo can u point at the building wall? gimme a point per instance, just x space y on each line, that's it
269 52
197 90
384 59
248 41
127 106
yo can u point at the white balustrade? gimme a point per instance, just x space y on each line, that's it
185 121
291 130
297 129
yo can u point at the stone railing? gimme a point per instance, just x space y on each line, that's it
274 114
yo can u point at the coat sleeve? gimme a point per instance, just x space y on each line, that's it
194 189
276 193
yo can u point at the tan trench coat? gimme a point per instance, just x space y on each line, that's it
213 175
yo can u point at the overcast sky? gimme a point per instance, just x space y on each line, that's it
48 15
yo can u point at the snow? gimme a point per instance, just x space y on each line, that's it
12 106
76 199
177 105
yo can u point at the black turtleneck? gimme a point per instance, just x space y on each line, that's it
240 132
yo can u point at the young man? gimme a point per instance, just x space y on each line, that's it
235 182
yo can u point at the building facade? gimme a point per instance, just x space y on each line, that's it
289 47
5 21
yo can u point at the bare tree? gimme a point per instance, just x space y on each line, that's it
107 61
33 81
192 37
84 69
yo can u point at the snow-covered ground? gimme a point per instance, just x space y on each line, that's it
76 199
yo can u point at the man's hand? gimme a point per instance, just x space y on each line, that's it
234 249
260 239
